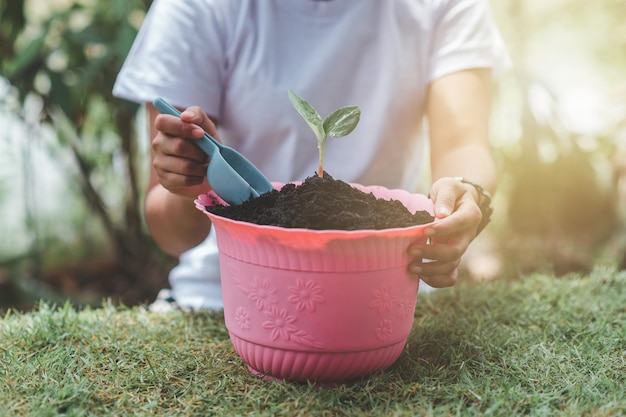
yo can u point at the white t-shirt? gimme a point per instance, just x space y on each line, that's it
238 59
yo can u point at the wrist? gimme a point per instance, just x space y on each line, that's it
483 201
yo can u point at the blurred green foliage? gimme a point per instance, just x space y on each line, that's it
67 57
559 185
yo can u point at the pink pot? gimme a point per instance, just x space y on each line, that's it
318 305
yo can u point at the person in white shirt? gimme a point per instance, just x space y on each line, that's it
420 70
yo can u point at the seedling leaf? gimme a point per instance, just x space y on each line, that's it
309 114
342 121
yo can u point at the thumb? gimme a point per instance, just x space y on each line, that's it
443 209
443 202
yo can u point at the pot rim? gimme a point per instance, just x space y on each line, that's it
211 198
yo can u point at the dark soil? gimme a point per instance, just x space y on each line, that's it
322 204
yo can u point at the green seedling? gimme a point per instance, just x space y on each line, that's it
339 123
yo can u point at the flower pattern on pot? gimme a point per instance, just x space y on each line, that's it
384 330
261 293
383 299
306 295
242 317
405 308
279 323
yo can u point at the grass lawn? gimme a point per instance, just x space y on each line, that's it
539 346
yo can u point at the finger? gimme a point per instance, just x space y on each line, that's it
466 218
196 116
184 185
437 276
173 126
442 281
192 123
441 248
178 148
178 157
427 268
440 253
180 166
174 181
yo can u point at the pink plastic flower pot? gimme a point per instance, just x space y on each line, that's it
318 305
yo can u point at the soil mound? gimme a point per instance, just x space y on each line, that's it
322 204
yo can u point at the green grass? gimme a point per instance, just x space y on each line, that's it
540 346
